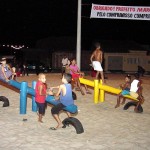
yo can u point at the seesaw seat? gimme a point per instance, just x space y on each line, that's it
71 108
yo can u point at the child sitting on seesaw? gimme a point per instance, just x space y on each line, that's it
135 91
65 99
76 74
6 72
125 90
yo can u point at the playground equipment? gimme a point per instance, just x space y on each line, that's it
140 109
25 90
100 89
71 120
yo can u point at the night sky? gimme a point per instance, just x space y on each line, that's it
26 21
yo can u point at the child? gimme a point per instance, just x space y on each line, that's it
6 73
96 60
40 95
67 69
125 90
136 91
76 74
65 93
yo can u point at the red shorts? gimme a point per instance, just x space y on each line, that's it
76 76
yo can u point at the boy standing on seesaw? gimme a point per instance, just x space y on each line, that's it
40 95
65 99
96 60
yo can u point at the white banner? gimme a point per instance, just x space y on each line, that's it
120 12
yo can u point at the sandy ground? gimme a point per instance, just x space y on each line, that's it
106 128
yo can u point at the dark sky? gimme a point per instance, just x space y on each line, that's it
26 21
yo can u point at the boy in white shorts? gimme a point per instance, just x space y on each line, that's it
96 60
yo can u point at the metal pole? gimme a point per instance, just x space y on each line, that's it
78 50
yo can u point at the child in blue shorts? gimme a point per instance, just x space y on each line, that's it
65 99
125 90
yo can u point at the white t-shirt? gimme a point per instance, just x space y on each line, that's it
134 86
64 61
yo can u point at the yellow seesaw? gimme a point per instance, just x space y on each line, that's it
100 89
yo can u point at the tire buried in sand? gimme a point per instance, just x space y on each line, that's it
129 104
5 101
75 123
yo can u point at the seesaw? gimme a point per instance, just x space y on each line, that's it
24 91
100 89
71 120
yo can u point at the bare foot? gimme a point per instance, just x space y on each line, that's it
135 110
142 100
59 126
82 92
117 105
40 121
122 103
77 89
37 113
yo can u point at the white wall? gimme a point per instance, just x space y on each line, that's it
131 60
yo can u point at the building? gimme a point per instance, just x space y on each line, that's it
127 62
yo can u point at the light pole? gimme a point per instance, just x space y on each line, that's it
78 48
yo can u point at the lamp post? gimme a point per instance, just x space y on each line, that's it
78 47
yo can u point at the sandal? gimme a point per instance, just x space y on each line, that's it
52 128
88 92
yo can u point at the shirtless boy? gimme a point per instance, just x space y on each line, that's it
96 60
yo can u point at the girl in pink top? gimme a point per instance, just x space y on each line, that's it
76 74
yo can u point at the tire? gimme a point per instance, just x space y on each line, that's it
74 95
129 104
75 123
5 100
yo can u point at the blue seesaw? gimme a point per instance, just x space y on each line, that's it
71 108
25 90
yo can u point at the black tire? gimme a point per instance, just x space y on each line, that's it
74 95
74 122
129 104
5 100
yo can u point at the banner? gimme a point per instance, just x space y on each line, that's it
120 12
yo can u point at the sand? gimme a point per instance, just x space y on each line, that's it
105 128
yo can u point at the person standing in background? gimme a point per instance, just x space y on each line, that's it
64 64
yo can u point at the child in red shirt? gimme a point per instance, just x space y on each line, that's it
40 95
